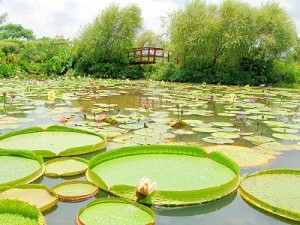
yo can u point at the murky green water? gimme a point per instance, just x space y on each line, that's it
80 101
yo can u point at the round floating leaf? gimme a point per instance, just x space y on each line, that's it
206 129
75 190
65 167
217 140
19 167
35 194
15 212
291 137
184 174
225 135
243 156
276 146
115 211
222 124
259 139
285 130
276 191
53 141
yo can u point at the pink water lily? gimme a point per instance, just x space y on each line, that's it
63 120
12 96
146 106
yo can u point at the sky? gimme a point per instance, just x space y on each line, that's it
66 17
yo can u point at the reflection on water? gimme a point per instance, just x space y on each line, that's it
124 101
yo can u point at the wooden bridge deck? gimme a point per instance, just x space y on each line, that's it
149 55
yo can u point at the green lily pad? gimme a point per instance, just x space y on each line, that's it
222 124
15 212
19 167
35 194
257 139
276 146
75 190
225 135
206 129
65 167
53 141
115 211
218 140
291 137
243 156
276 191
184 174
285 130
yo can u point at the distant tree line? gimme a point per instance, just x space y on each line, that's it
228 43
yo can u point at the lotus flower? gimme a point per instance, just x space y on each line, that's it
145 186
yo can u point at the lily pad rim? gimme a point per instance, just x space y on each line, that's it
28 155
263 205
35 186
211 193
66 198
56 128
69 174
114 200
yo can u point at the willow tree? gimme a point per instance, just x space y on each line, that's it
103 44
215 43
148 38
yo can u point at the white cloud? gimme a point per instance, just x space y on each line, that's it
65 17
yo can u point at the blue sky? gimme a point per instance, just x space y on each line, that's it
65 17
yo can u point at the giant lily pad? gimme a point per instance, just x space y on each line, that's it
53 141
184 174
75 190
35 194
243 156
65 167
19 167
115 211
276 191
15 212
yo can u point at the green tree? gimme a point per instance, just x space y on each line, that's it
230 43
148 38
15 31
103 44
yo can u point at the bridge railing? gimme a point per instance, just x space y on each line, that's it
148 55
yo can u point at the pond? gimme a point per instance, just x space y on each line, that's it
263 118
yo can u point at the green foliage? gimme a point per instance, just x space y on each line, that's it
15 31
148 38
102 47
44 56
230 43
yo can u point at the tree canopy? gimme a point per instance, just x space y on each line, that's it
105 41
215 43
15 31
